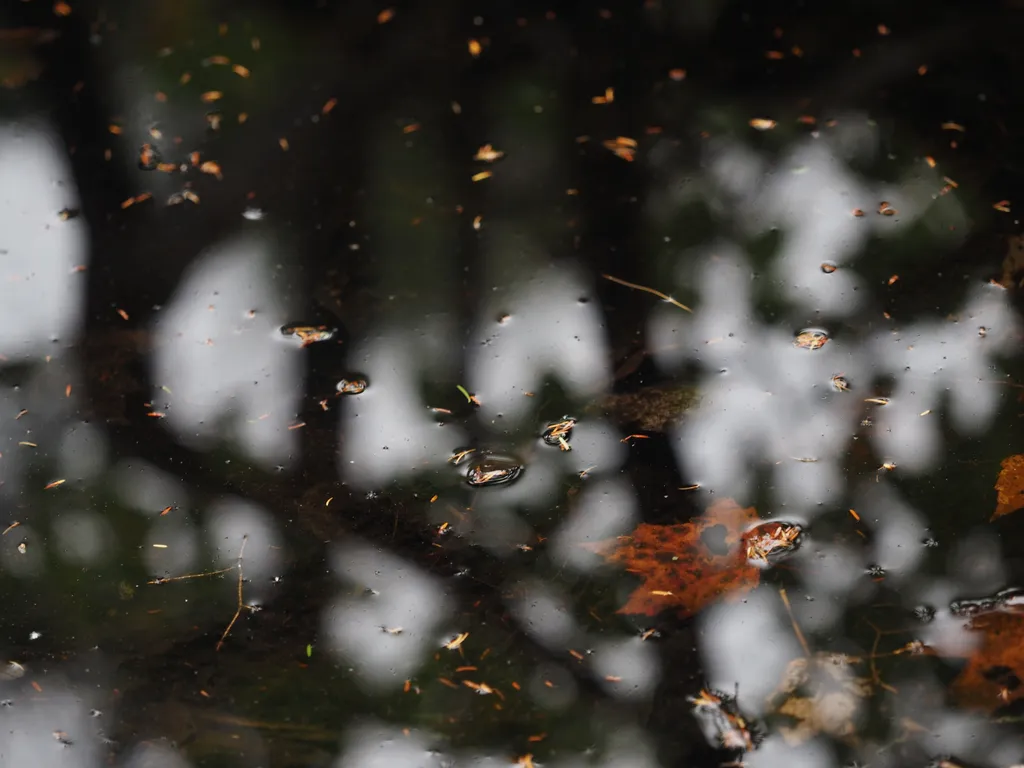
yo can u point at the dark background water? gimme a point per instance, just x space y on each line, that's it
180 181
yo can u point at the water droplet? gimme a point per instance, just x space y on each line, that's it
352 386
493 470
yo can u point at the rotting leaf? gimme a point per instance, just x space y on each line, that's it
820 695
651 408
1010 486
992 677
722 722
686 566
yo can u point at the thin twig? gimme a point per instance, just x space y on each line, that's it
657 293
796 627
241 604
190 576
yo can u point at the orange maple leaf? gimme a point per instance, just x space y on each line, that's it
1010 486
991 679
686 566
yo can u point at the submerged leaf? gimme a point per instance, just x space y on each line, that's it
1010 486
992 677
650 408
820 695
686 566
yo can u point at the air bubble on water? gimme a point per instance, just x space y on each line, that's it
924 613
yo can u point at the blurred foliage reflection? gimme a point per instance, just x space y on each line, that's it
519 384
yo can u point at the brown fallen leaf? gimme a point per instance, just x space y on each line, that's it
991 679
686 566
1010 486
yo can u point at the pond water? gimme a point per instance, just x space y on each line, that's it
487 385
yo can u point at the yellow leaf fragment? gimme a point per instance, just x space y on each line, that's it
488 154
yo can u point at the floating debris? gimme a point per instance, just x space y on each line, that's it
460 456
1006 599
766 542
352 386
839 383
308 334
493 470
465 393
646 289
488 154
149 158
623 147
12 670
559 433
723 724
811 338
828 267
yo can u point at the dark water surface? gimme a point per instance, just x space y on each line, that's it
491 384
